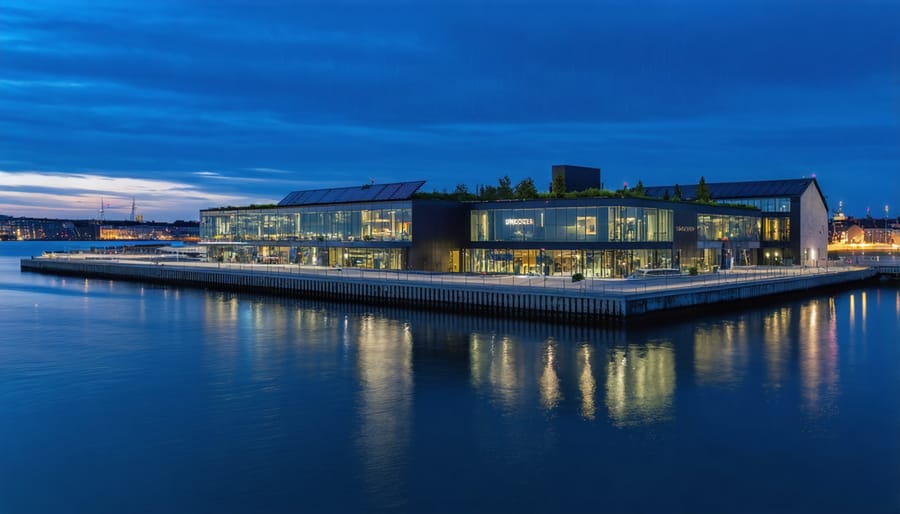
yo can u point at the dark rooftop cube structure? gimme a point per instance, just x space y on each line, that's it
577 178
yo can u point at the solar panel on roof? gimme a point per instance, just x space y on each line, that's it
342 195
366 193
407 189
738 190
314 196
386 192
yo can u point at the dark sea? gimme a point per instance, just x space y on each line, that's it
118 397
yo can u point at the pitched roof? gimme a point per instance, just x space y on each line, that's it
740 190
366 193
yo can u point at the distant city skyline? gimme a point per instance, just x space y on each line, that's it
185 105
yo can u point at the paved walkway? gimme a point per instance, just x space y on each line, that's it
748 275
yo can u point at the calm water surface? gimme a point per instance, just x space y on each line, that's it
119 397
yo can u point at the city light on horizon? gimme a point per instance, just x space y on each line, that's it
79 196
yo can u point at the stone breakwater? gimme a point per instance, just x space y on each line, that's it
586 305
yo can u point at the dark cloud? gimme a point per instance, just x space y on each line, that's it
449 91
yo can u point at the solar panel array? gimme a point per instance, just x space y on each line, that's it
366 193
736 190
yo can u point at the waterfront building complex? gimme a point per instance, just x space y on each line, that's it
389 227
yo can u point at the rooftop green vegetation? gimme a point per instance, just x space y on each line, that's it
526 190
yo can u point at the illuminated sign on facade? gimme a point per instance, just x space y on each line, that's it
685 228
519 221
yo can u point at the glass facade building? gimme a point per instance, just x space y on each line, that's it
581 223
794 213
363 222
574 238
369 226
385 227
368 235
602 237
775 233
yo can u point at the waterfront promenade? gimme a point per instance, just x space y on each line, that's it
552 298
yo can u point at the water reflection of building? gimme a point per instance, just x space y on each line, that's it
818 355
515 372
640 383
495 364
720 353
777 345
587 383
384 362
549 381
561 375
897 303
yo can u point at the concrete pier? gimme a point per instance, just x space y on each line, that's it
588 302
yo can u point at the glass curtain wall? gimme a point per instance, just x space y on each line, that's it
782 205
281 229
557 224
717 227
349 257
563 224
776 229
363 222
590 263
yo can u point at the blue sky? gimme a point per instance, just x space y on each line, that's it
185 105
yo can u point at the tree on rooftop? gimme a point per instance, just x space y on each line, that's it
639 189
504 188
462 193
703 194
558 186
487 193
526 189
677 195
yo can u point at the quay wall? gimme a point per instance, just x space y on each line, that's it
505 302
715 294
517 302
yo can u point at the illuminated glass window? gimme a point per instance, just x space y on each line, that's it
589 223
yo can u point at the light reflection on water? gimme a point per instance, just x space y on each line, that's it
587 384
239 403
776 347
386 395
640 382
720 354
818 357
549 381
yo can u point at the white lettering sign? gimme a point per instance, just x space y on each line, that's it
685 228
519 221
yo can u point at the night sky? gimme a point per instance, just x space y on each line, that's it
186 105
